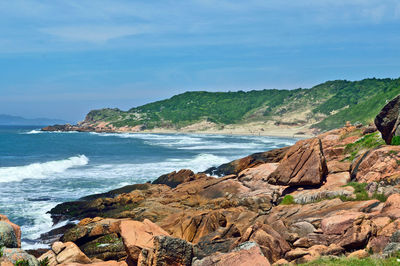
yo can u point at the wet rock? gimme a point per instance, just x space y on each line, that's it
7 236
247 253
303 164
167 251
387 121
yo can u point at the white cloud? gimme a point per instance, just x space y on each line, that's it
93 33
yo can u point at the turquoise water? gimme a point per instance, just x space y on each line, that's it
38 169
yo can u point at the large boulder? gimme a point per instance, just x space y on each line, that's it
236 166
70 253
303 164
387 121
248 253
16 228
392 207
381 164
167 251
7 236
174 178
272 244
12 255
138 235
98 238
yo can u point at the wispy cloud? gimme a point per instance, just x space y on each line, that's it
95 33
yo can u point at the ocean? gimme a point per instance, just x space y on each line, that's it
39 170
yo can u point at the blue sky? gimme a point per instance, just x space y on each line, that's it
63 58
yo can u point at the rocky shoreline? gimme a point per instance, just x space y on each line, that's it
332 197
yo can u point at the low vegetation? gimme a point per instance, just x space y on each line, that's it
22 263
337 261
287 200
44 262
368 142
328 105
361 193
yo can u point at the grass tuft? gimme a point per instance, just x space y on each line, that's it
367 142
287 200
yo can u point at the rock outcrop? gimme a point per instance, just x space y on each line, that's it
294 205
304 164
139 235
248 253
387 121
175 178
167 251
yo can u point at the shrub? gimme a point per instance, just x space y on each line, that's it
361 193
22 263
287 200
44 262
395 140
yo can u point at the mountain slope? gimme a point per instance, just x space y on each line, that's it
325 106
11 120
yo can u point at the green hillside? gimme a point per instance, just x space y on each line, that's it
325 106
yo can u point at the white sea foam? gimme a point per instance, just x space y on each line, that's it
40 170
35 131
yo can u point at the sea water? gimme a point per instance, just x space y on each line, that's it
39 170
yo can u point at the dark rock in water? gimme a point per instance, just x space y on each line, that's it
236 166
115 192
37 252
66 127
387 121
88 207
173 179
7 236
55 234
39 199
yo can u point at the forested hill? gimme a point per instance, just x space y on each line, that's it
325 106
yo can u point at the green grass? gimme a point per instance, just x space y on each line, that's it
44 262
22 263
361 193
395 140
367 142
326 261
287 200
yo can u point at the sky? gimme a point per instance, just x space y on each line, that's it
61 59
